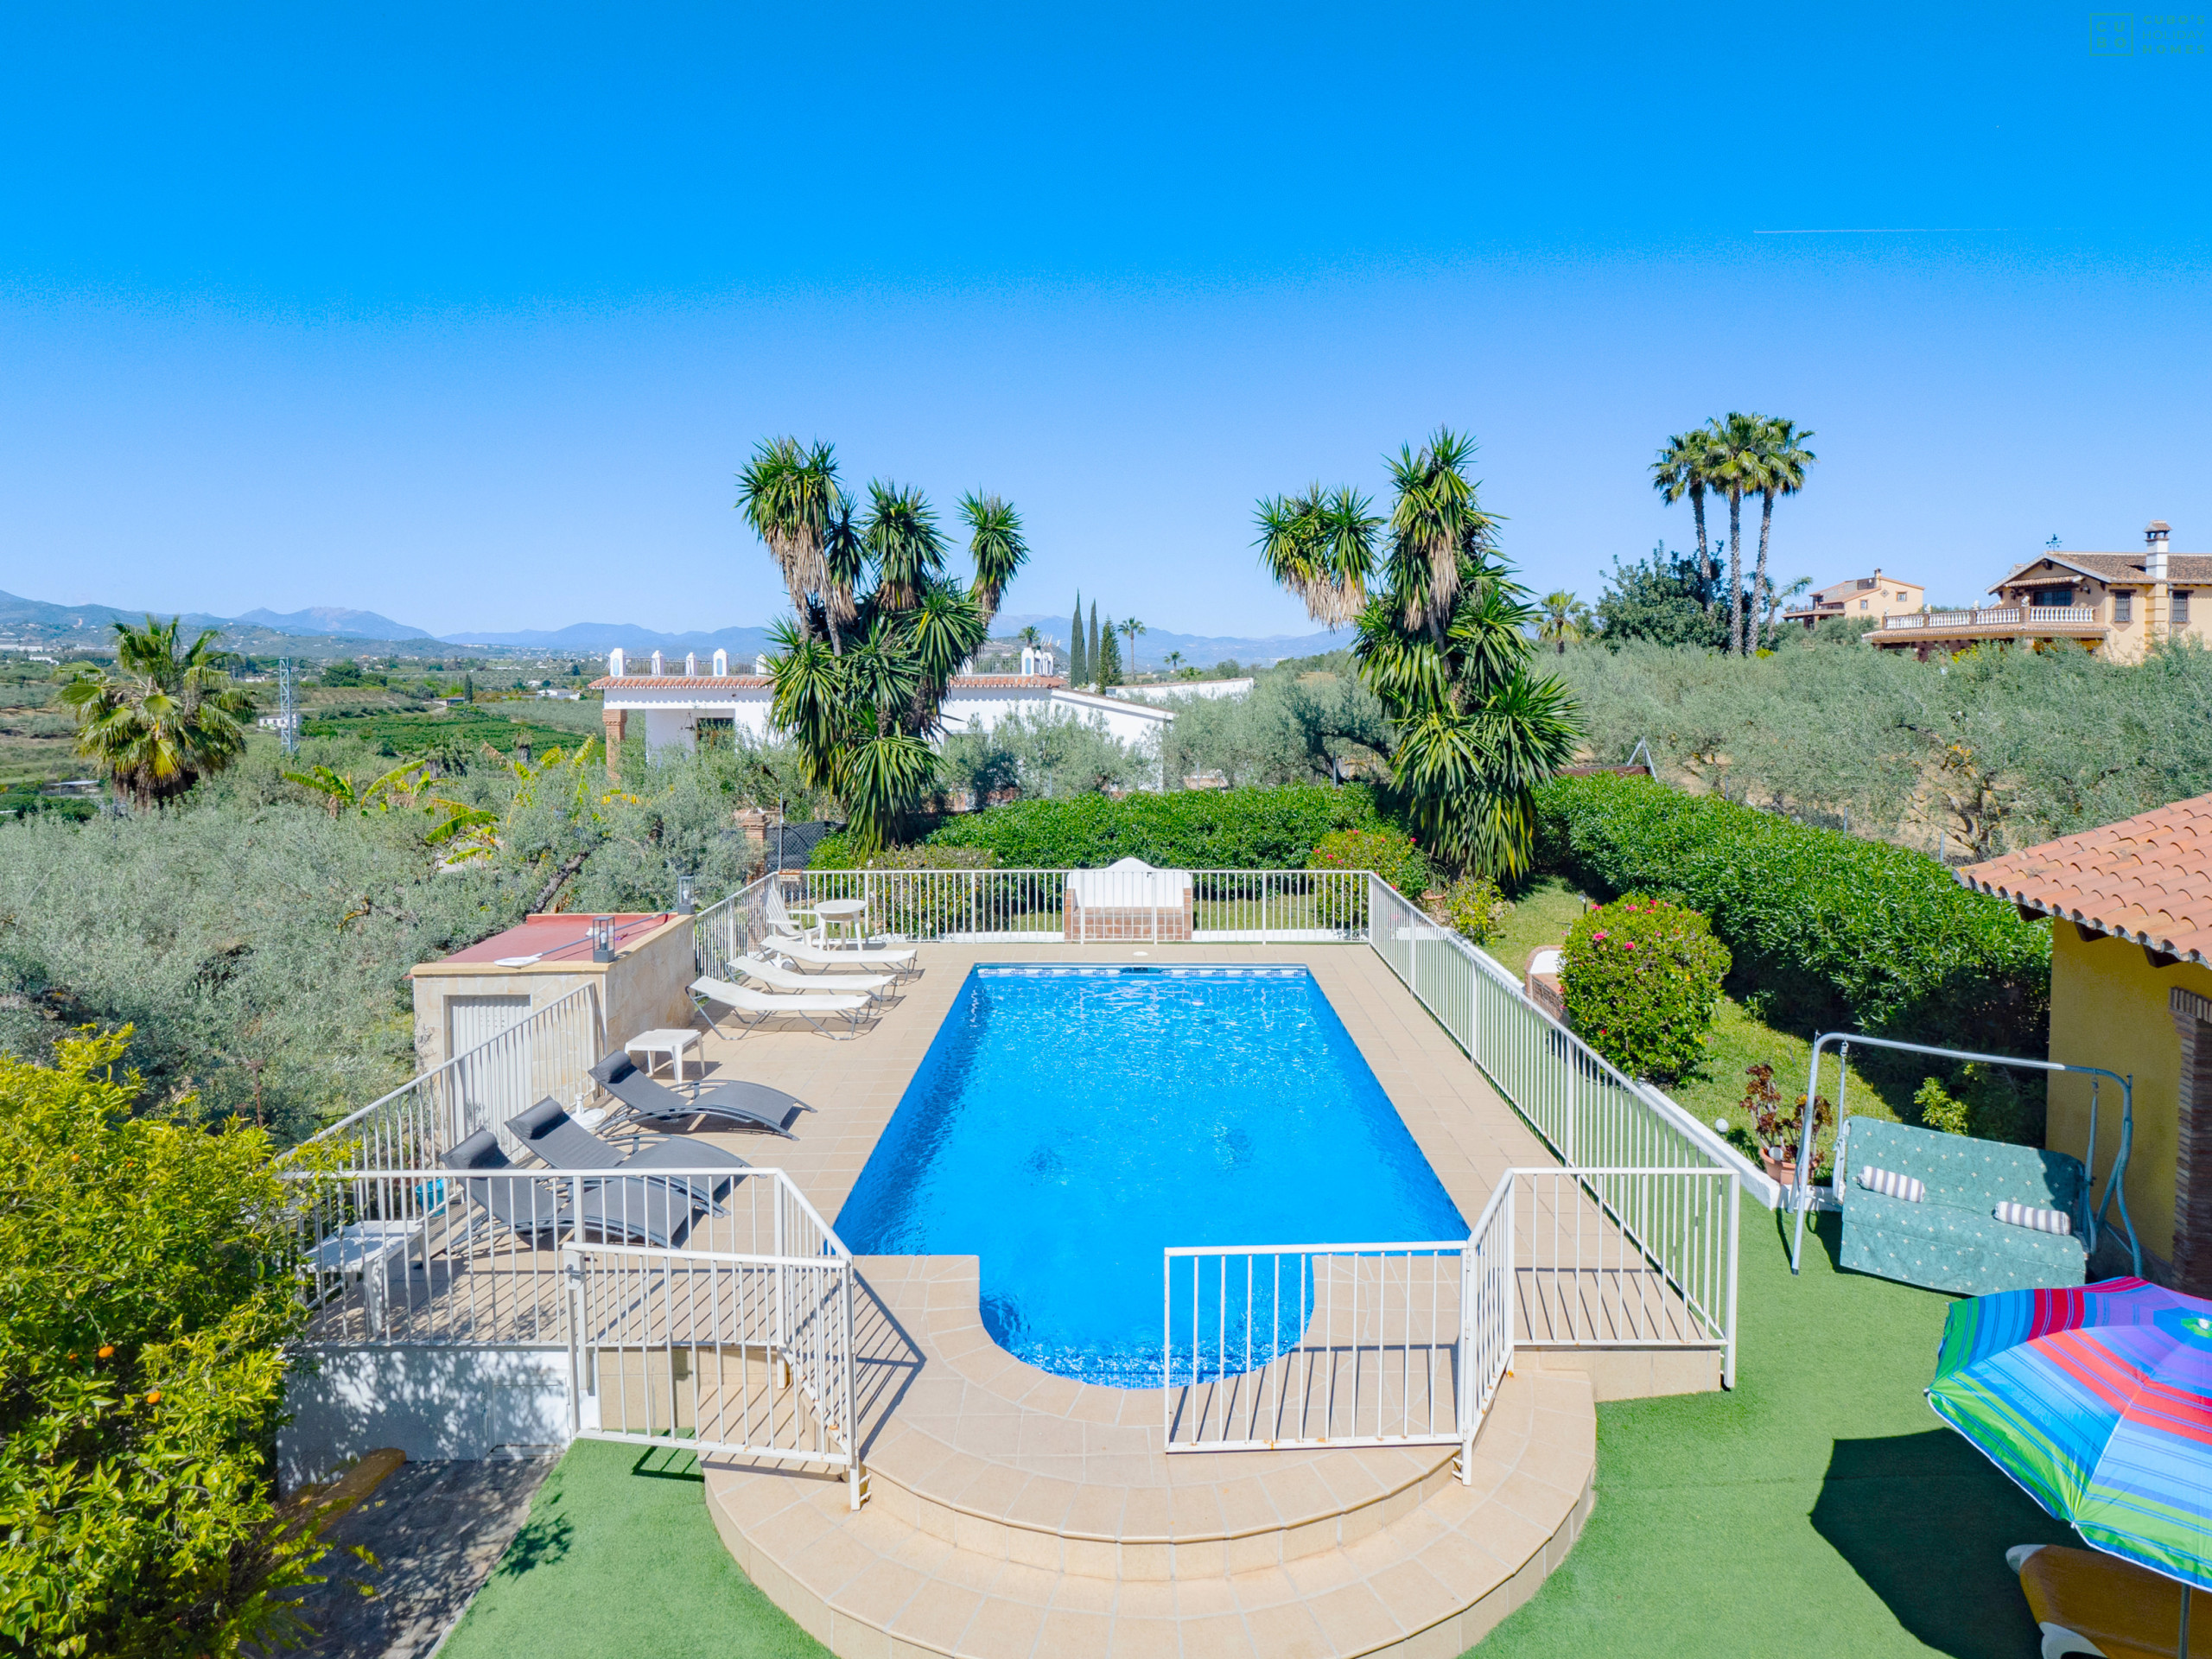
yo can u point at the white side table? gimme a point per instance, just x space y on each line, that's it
670 1041
843 912
362 1251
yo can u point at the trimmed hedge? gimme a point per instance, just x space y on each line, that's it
1840 931
1203 829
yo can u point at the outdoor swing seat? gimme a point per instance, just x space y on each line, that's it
1951 1239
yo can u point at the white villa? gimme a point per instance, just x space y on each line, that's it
676 704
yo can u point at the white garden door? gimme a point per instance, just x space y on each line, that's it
492 1084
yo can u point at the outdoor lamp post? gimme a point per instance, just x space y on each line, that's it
603 939
686 885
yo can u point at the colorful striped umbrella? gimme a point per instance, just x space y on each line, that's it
2098 1399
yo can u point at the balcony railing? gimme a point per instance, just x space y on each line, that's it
2000 616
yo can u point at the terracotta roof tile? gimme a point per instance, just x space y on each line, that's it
2184 567
2147 878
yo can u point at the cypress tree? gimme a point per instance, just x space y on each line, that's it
1079 664
1091 656
1109 657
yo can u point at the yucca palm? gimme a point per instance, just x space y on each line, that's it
859 679
1783 463
165 717
1321 546
1736 454
788 492
994 546
1446 647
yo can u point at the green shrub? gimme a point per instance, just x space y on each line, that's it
1472 907
1836 931
1203 829
1640 978
1986 1105
145 1305
1390 854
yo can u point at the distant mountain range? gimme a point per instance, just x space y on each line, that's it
335 619
1198 650
329 629
596 638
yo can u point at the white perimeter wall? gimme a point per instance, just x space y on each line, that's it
669 717
431 1402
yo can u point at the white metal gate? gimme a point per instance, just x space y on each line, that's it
720 1351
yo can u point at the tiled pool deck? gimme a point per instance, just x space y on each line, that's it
1014 1513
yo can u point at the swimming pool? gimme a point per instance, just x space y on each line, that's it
1069 1122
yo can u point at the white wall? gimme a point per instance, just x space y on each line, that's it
432 1403
667 715
1184 689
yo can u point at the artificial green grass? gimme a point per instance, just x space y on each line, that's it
619 1558
1819 1507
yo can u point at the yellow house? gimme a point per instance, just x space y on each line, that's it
1870 598
2130 990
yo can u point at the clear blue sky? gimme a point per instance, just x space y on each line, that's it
469 315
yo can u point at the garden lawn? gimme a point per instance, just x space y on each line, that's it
619 1558
1818 1508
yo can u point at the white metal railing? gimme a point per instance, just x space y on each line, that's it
1276 1345
1997 616
1589 1112
713 1302
730 928
1311 1344
549 1051
1093 906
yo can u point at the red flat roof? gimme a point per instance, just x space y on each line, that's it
558 939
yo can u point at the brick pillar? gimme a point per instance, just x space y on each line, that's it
753 821
615 720
2193 1161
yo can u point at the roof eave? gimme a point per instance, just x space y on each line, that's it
2060 913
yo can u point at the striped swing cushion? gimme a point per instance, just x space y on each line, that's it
1890 1185
2026 1215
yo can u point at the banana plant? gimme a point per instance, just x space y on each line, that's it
340 793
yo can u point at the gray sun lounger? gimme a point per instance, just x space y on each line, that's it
741 1105
652 1213
547 1130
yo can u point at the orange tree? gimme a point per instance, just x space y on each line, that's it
145 1305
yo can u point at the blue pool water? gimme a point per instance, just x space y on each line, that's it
1067 1123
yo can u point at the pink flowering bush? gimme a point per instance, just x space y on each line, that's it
1641 978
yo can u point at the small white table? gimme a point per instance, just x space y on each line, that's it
670 1040
845 912
364 1251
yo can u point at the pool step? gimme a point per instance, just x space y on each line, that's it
1432 1581
1015 1513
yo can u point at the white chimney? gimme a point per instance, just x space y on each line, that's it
659 667
614 663
760 666
721 664
2156 537
692 664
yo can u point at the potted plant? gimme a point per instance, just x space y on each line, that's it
1775 1130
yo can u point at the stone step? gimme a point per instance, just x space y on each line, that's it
1431 1579
970 1444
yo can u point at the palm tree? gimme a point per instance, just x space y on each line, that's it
1778 599
1030 637
165 717
996 547
1446 649
1736 464
788 492
860 678
1683 468
1130 628
1320 547
1567 620
1175 661
1781 472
